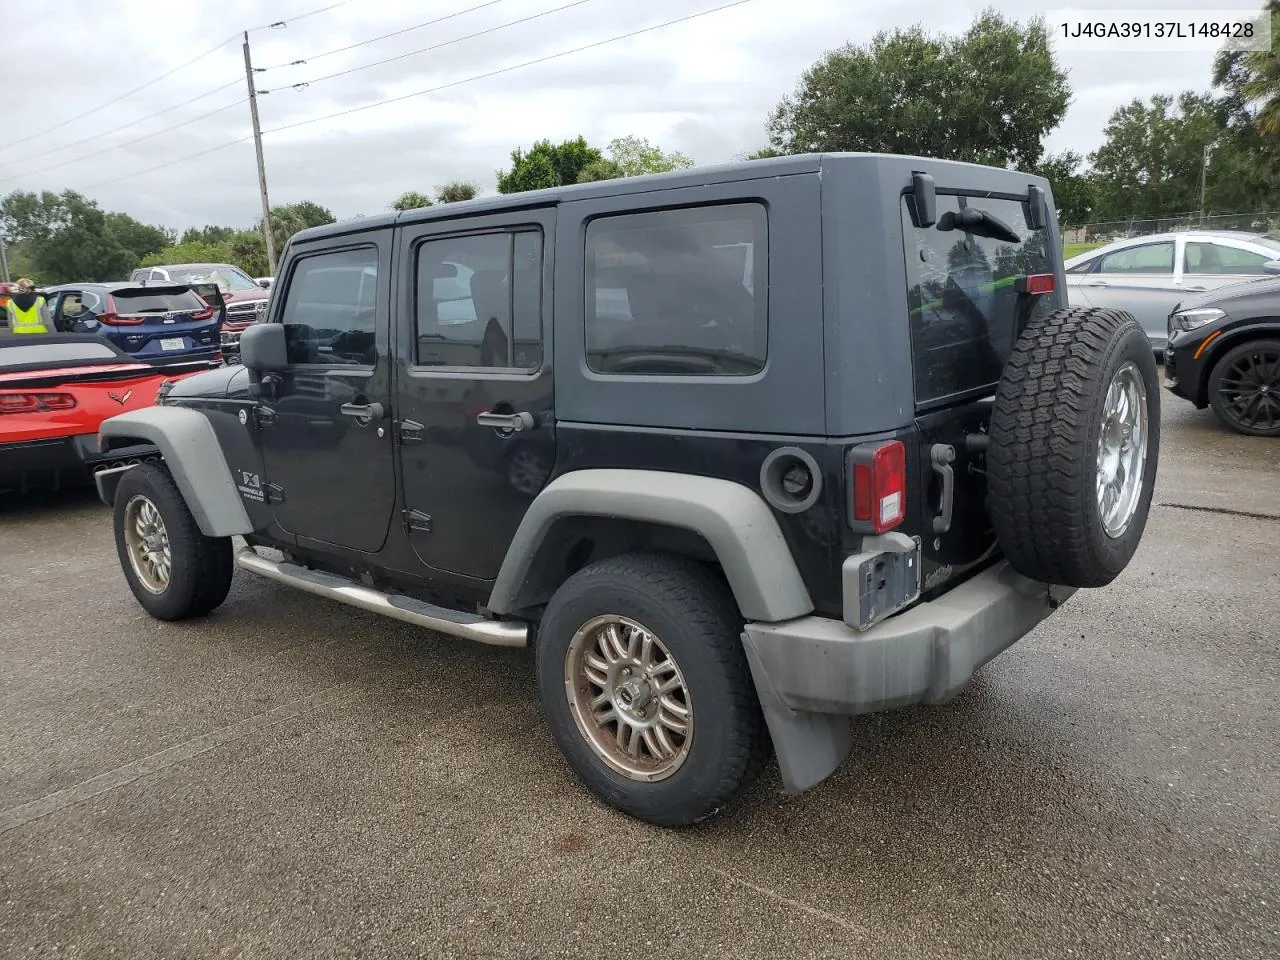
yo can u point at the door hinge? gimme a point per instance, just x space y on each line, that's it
415 521
410 431
274 492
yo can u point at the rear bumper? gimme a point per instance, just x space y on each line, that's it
812 672
60 462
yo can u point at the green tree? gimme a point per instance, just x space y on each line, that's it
547 165
600 170
411 200
77 244
289 218
1073 189
764 153
207 234
635 156
1251 79
989 95
456 191
189 251
29 216
139 239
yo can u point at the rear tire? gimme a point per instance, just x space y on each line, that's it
1244 388
686 619
174 570
1075 437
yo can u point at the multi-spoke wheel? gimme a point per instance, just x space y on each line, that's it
646 688
1122 450
173 569
1244 388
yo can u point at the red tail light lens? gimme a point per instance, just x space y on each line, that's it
203 314
879 481
35 402
1036 284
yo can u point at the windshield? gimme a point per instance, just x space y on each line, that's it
961 277
227 277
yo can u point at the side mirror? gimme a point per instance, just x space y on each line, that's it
1272 266
264 284
925 194
262 348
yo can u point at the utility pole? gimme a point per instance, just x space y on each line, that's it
262 167
4 259
1204 176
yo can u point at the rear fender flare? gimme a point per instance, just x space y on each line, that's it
732 518
191 452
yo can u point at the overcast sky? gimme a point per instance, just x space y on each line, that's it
703 87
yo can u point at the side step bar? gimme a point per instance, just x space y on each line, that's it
468 626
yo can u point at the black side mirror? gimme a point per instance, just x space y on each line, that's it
1038 207
262 348
925 194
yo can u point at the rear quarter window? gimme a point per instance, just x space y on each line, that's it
961 297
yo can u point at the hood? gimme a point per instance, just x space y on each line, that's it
246 296
214 384
1241 300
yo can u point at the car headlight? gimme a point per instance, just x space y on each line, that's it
1190 319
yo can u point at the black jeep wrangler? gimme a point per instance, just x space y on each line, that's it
743 450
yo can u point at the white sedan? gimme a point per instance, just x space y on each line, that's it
1147 276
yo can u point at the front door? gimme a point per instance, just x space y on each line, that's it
325 421
475 421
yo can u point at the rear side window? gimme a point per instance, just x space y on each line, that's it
1214 258
329 308
961 291
678 292
135 304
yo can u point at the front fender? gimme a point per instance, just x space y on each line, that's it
732 518
190 448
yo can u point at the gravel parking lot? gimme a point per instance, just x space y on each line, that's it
293 778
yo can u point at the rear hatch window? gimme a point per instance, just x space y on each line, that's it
133 303
961 291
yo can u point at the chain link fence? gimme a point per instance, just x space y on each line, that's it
1104 232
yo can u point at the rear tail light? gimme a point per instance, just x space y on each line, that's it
205 314
878 483
113 319
1036 284
35 402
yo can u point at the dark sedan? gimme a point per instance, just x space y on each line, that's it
1224 352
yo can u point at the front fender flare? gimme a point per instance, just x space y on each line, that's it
190 448
732 518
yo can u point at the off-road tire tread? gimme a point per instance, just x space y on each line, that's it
1039 462
711 614
1215 374
208 563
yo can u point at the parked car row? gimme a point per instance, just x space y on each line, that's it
246 298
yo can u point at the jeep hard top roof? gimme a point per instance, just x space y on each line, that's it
895 168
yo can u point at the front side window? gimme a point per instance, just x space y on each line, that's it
1149 258
479 301
330 308
962 290
678 292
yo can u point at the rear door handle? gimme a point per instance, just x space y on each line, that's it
516 422
1096 283
363 412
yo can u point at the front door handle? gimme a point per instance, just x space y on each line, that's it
516 422
1096 283
364 413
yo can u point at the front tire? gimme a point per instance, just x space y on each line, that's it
174 570
1244 388
646 687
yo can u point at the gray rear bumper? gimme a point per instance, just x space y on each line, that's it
812 673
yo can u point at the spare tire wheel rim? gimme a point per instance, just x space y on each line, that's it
1122 450
147 541
628 698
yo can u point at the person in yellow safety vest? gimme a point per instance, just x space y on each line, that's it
26 309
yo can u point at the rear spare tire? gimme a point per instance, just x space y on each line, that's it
1075 437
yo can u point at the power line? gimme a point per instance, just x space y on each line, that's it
437 46
385 36
302 16
444 86
129 143
114 100
123 126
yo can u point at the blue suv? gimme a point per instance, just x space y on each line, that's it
167 325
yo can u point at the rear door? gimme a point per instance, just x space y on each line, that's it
474 414
966 312
1208 264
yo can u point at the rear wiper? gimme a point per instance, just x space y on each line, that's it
978 221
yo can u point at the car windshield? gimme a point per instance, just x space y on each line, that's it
962 296
227 277
22 355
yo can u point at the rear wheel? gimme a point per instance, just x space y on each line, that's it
174 570
1244 388
646 687
1075 434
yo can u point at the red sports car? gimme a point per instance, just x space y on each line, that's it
55 390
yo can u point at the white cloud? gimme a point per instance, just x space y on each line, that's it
704 87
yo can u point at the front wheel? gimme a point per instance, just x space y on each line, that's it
1244 388
646 687
173 569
